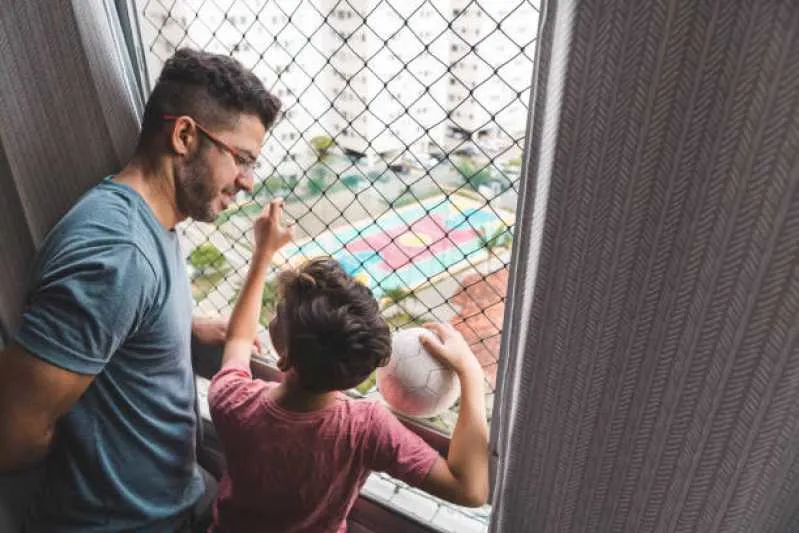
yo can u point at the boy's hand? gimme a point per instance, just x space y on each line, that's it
270 234
448 346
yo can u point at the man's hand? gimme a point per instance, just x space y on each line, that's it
213 332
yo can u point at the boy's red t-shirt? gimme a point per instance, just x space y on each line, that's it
293 472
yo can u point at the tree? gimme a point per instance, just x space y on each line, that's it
368 384
207 257
275 185
406 320
317 180
269 300
321 145
394 295
472 174
500 238
352 181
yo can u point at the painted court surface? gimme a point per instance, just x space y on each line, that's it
408 246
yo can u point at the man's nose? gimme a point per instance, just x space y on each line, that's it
245 181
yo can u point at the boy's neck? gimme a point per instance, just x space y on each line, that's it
291 397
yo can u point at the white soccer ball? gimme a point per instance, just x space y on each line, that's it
414 383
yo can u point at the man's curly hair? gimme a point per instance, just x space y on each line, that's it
331 326
213 89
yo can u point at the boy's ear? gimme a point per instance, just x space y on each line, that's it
283 363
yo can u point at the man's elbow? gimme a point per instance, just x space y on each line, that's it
23 449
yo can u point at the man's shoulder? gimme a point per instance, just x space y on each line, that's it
105 209
108 215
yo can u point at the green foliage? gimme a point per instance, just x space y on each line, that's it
202 285
316 186
251 209
395 295
321 145
274 186
378 176
368 384
317 181
405 320
500 238
352 181
404 199
269 300
473 174
207 256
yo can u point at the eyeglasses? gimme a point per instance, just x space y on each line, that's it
245 163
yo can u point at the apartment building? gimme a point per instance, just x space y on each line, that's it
379 77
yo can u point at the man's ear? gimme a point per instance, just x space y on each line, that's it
182 136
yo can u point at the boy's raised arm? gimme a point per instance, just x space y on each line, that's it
463 477
270 236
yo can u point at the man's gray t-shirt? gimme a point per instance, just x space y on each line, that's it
110 298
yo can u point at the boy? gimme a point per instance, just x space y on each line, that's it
299 451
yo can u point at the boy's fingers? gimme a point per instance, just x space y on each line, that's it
431 344
437 328
277 207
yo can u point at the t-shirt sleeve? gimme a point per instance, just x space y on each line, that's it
231 392
84 303
396 450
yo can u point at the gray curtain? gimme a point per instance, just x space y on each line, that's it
70 102
71 98
650 375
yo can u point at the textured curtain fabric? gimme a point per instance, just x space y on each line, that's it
69 114
650 378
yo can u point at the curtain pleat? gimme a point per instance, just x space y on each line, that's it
69 115
650 378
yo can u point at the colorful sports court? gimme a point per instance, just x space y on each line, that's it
410 245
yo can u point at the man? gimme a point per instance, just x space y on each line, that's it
99 373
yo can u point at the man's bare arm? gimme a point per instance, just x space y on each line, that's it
34 394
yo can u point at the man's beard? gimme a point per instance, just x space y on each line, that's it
194 188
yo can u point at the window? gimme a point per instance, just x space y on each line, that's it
403 119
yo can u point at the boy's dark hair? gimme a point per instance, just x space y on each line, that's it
213 89
331 325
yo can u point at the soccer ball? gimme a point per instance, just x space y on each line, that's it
414 383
